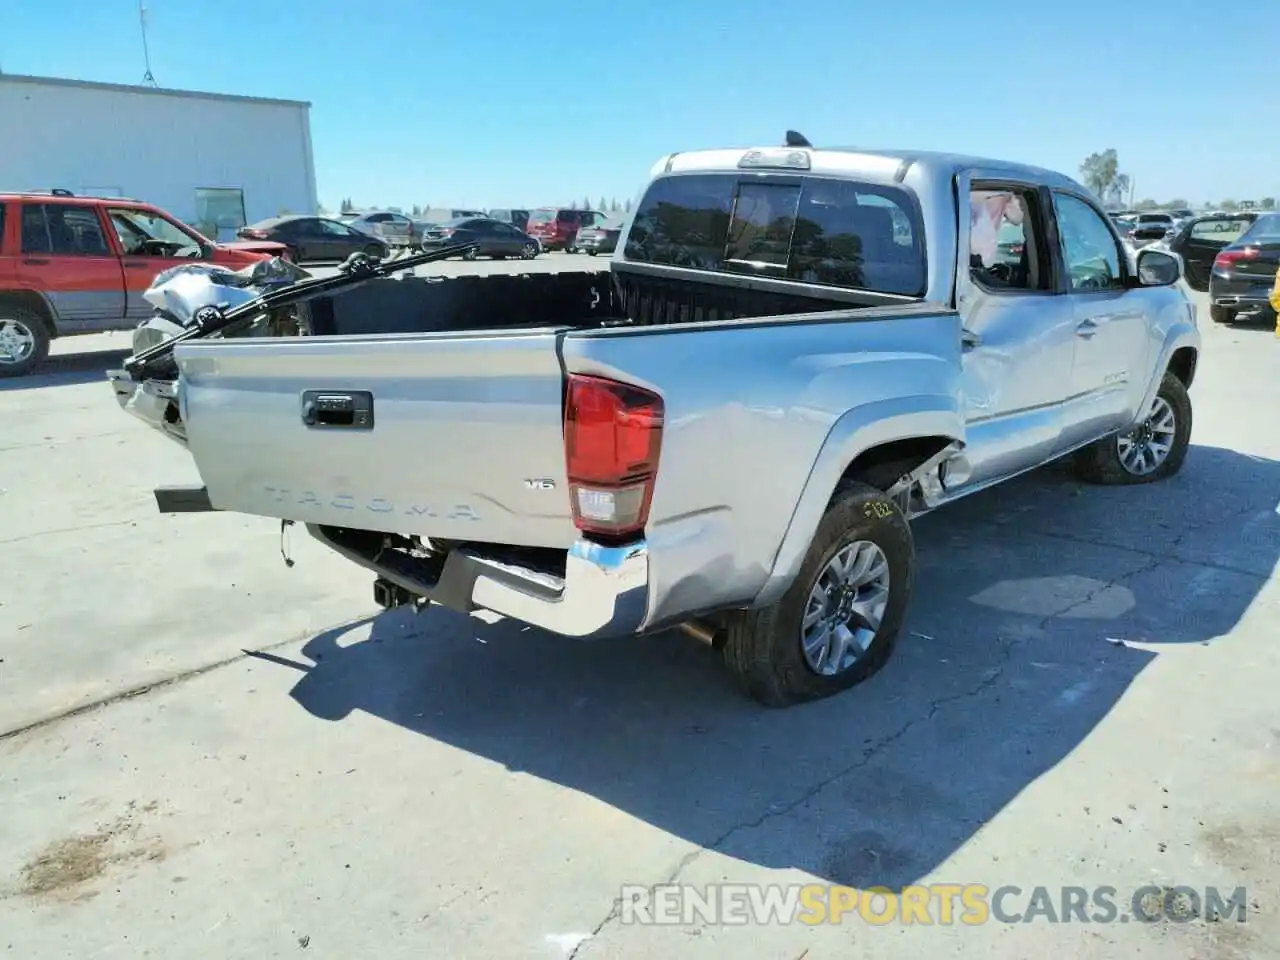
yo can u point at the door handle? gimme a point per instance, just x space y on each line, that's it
35 261
136 264
1086 329
969 339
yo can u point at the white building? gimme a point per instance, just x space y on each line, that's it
214 161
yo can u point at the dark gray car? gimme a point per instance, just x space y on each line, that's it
315 238
497 239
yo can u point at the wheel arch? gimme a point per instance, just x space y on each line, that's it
875 444
37 303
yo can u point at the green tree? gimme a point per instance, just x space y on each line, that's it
1268 203
1100 171
586 203
573 205
613 205
1229 205
1177 203
417 210
1147 204
603 206
626 207
346 206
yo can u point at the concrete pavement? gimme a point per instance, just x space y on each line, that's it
1084 695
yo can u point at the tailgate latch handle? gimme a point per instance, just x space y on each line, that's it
337 409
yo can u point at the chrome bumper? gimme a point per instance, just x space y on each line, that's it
604 591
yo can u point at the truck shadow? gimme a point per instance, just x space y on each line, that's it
1017 646
69 369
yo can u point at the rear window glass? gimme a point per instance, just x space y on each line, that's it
542 216
831 232
1154 218
1266 229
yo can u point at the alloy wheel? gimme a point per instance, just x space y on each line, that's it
845 608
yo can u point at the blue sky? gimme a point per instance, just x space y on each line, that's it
506 103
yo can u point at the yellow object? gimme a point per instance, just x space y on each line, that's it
1275 301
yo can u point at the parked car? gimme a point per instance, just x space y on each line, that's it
395 228
74 264
1201 240
1244 272
316 238
517 218
498 240
1149 228
557 227
603 237
603 478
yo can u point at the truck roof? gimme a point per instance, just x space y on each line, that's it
875 165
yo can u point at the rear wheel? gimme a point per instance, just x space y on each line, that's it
1221 314
529 251
1153 450
471 254
374 251
837 623
24 340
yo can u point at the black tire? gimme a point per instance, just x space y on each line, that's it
593 252
35 324
374 250
471 254
762 648
1100 462
1221 314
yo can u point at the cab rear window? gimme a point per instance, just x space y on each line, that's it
838 233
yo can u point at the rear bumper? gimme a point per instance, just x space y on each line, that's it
1240 292
603 593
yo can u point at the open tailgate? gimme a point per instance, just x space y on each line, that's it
448 435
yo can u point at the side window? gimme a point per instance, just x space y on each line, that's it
35 229
1219 230
3 207
1006 240
62 229
331 228
567 216
1090 254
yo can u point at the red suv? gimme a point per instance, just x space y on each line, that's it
557 227
71 265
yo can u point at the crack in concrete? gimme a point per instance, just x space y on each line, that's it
143 689
1165 555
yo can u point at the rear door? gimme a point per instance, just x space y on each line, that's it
1203 241
457 436
64 254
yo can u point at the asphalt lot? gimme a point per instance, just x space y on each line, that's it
255 767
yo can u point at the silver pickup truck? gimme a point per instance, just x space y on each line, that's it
794 351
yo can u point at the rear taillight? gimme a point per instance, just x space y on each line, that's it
612 437
1229 258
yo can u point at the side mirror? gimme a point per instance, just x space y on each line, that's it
1158 268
